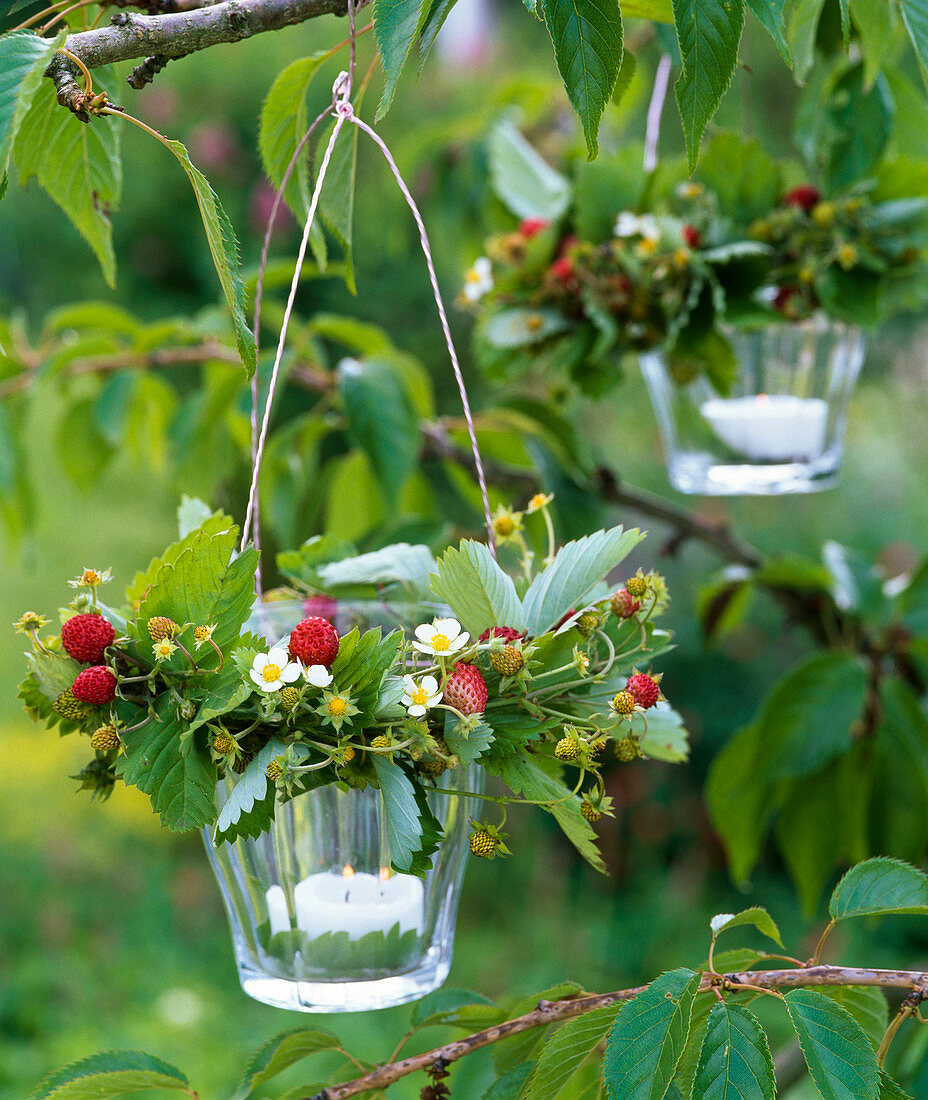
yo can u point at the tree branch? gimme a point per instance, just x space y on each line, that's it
176 34
549 1012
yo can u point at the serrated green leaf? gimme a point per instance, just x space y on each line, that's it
878 886
648 1038
181 784
525 776
279 1054
442 1007
801 32
435 15
401 813
708 32
381 420
806 720
473 585
755 917
522 180
249 806
771 16
734 1059
110 1074
396 24
472 746
666 737
915 17
577 568
890 1090
567 1049
868 1006
520 1049
78 164
336 202
511 1084
841 1061
739 802
23 59
223 247
400 565
588 46
282 126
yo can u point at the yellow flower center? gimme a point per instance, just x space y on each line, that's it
270 673
539 500
473 276
441 643
90 576
337 706
420 697
504 525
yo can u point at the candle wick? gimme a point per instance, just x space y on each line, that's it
347 896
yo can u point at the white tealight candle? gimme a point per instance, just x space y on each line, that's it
277 912
358 903
774 428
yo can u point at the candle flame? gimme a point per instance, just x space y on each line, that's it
763 397
385 874
347 871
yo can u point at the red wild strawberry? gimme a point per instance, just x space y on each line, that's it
624 604
692 236
805 196
325 607
562 269
85 637
508 632
466 689
531 227
644 689
96 685
314 641
782 302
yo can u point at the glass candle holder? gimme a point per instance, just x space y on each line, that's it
780 430
319 921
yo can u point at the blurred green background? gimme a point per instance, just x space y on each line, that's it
112 932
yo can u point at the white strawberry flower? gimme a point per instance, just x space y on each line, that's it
270 671
478 280
421 697
628 224
442 639
318 676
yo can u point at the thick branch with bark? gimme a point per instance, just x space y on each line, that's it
549 1012
175 34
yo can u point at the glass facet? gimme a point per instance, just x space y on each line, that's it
780 430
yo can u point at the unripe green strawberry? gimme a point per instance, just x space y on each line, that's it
289 697
105 739
628 749
224 743
69 707
161 627
636 586
482 843
508 661
567 749
348 754
589 811
381 742
588 622
274 770
623 703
